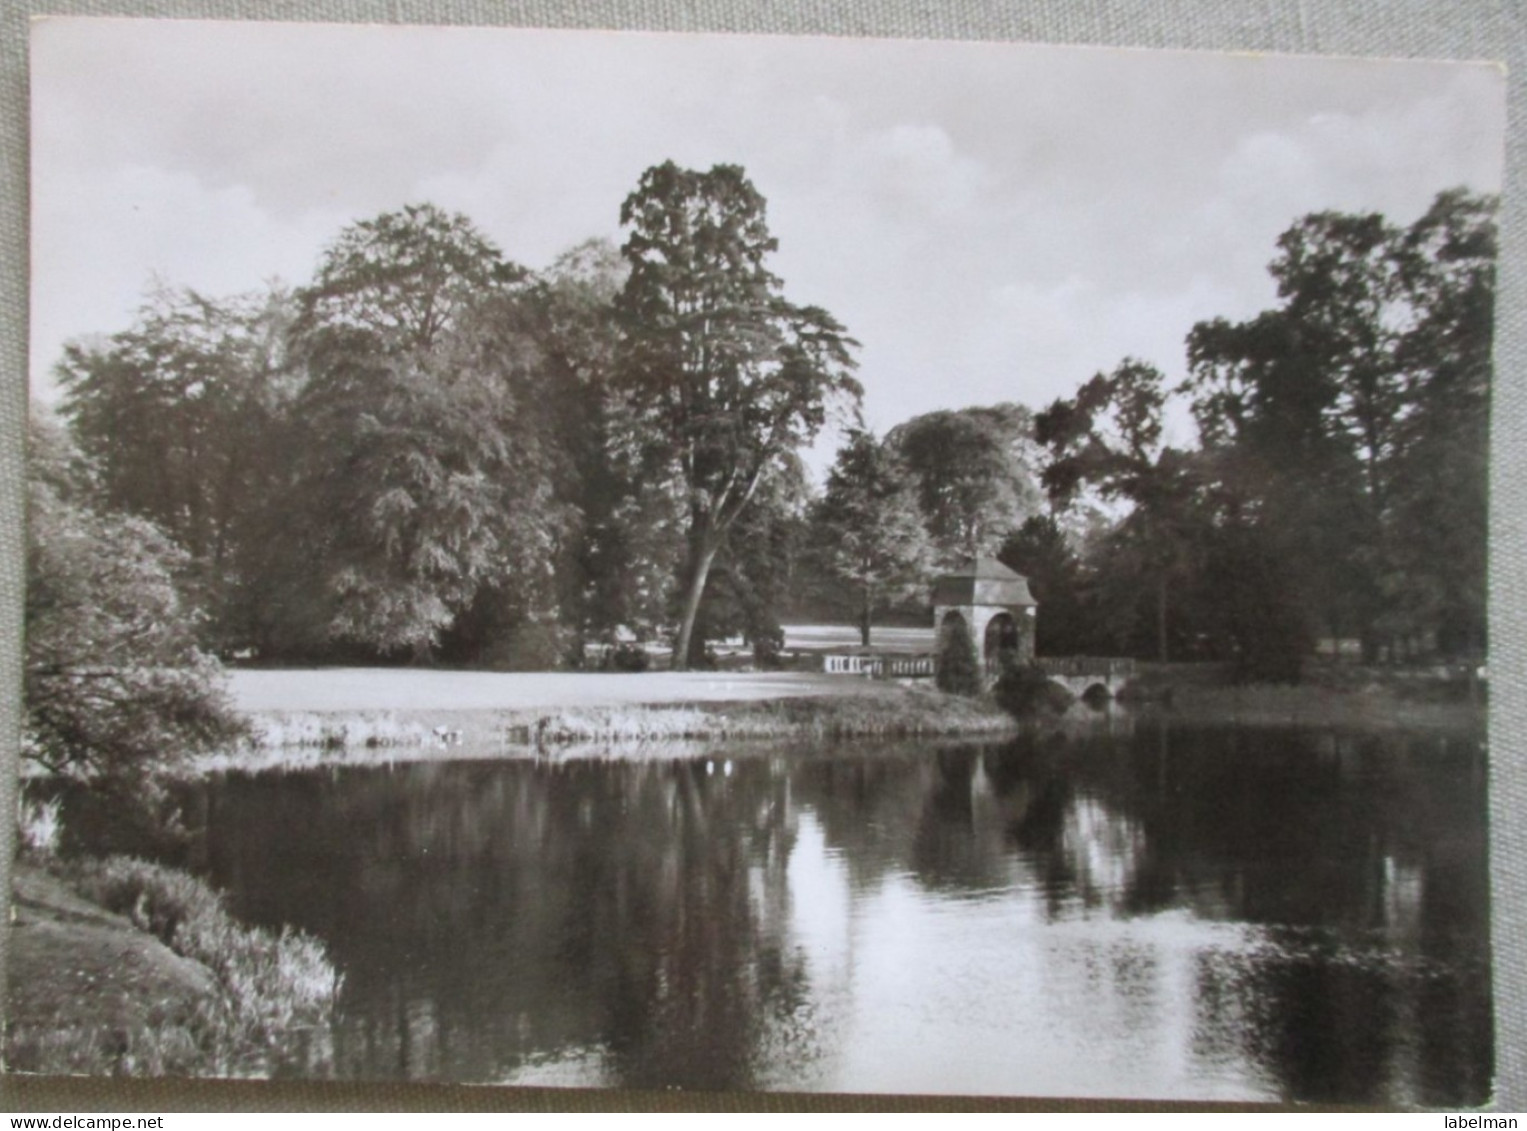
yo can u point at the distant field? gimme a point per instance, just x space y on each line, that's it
819 637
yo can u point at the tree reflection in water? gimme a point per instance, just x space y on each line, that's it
1265 914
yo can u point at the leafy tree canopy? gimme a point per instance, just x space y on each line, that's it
181 414
867 529
1108 438
116 687
405 277
976 472
727 374
1352 418
424 475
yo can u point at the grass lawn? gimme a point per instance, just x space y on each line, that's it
412 689
421 689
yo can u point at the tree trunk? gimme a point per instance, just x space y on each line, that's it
702 555
864 617
1161 618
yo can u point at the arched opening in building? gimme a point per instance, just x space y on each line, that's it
1001 646
946 626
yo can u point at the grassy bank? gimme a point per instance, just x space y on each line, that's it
1369 698
882 712
856 709
119 966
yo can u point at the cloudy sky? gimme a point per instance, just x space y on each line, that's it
992 221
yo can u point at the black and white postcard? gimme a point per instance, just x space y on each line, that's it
741 563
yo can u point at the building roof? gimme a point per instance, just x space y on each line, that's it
982 581
984 568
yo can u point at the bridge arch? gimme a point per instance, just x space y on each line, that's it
1093 678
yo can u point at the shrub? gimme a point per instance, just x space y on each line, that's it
958 672
116 687
768 647
627 657
279 990
1023 690
170 1047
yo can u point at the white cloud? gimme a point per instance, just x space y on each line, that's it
992 221
100 241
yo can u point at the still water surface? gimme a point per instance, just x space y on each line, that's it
1134 911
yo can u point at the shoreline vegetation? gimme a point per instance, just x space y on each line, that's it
861 710
1330 695
120 966
1259 705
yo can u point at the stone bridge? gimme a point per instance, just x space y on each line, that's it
1087 675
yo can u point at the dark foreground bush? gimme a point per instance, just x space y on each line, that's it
1024 690
278 990
627 657
768 650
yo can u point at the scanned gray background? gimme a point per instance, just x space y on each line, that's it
1461 29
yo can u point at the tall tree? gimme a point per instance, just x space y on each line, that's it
727 374
1261 396
631 537
976 472
1440 483
181 413
867 530
756 570
1350 421
1109 438
1338 281
565 314
424 478
1042 553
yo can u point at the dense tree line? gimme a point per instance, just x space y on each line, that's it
1339 487
431 453
1337 491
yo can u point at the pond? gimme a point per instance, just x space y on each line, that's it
1133 910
